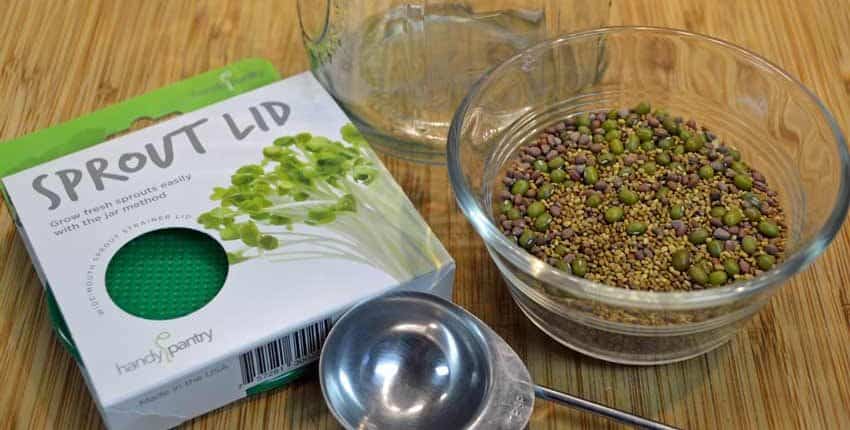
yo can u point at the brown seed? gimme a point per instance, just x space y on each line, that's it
679 227
574 175
721 234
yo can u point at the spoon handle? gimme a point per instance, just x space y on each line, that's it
605 411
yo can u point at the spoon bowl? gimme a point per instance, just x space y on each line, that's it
406 360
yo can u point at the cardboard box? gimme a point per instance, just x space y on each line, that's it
204 258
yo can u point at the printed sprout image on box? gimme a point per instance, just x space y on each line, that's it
307 180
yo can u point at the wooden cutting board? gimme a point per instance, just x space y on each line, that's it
788 368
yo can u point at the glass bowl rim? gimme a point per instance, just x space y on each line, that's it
497 242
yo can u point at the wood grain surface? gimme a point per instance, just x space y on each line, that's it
788 368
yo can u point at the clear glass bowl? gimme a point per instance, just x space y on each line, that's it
781 128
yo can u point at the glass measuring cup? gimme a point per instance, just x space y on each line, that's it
400 69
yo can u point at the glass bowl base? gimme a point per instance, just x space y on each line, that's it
629 349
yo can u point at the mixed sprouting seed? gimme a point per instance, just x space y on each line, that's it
312 181
642 200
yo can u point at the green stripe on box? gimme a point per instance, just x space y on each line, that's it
182 97
279 381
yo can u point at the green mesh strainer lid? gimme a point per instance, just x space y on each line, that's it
166 274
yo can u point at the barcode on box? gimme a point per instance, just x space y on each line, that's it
283 354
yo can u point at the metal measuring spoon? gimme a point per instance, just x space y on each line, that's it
415 361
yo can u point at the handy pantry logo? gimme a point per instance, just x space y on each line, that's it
164 350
